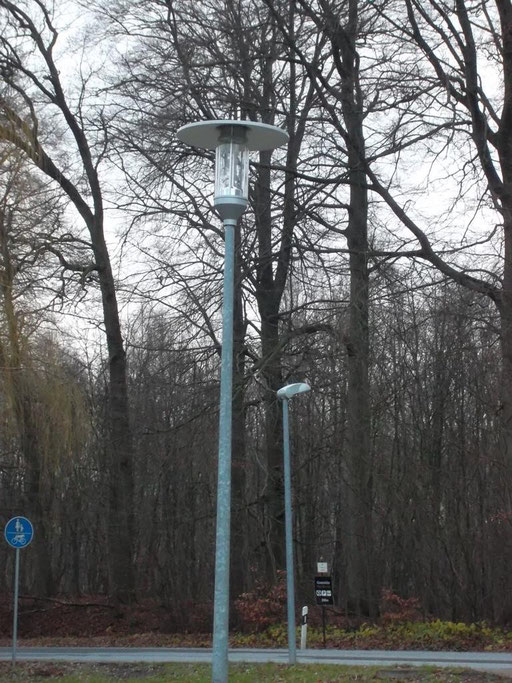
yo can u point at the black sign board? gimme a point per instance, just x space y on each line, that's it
323 590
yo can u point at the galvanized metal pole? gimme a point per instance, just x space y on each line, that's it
221 598
290 583
15 610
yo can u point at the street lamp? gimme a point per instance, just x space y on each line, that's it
285 394
232 140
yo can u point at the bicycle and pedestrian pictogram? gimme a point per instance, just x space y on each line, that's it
19 532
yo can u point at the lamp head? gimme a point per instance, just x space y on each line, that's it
290 390
232 141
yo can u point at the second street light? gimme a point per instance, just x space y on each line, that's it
232 140
285 394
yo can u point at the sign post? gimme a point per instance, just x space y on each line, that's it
323 591
18 533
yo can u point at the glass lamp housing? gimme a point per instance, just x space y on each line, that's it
231 171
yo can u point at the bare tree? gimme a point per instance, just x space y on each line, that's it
43 411
248 74
34 85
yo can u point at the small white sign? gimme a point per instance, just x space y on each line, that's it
321 567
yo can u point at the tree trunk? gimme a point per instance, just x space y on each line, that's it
360 561
119 450
268 295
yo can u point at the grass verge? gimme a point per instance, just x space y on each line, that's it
238 673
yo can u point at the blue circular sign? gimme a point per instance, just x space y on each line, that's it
19 532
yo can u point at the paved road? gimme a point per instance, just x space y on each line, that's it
489 661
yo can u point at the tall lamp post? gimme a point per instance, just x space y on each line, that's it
285 394
232 140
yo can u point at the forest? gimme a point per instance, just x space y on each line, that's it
374 262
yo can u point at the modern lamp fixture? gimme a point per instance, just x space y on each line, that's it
232 140
285 394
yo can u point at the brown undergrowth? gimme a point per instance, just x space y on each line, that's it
259 621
